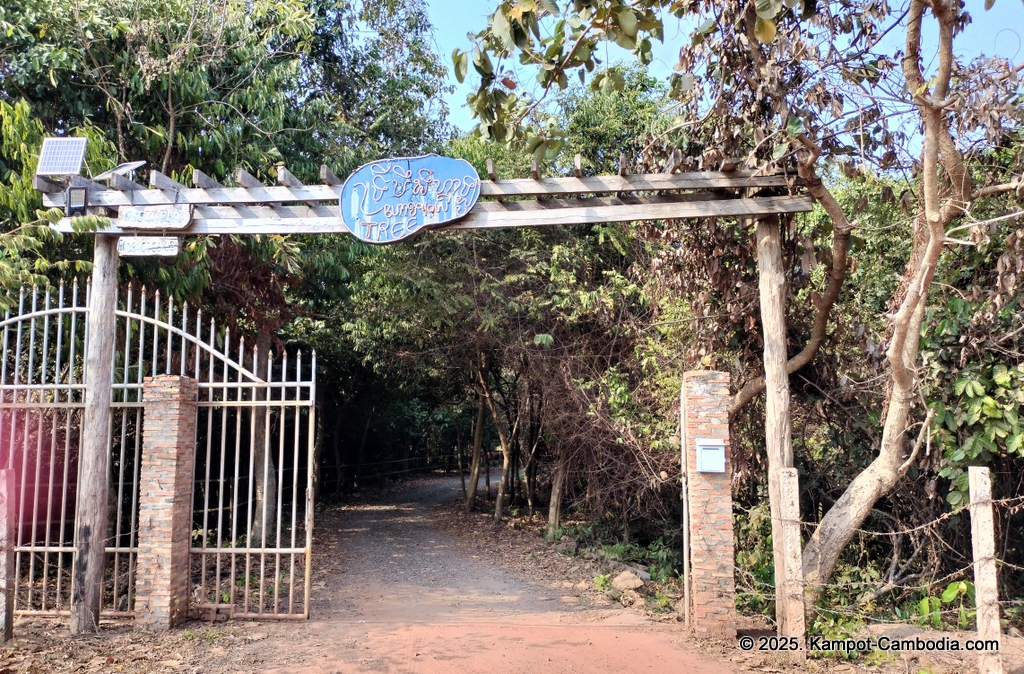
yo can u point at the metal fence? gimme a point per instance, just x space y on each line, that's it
252 497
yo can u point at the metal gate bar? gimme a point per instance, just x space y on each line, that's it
240 563
250 543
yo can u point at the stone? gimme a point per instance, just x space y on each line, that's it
627 580
567 545
629 598
640 571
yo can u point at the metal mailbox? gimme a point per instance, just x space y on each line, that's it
710 455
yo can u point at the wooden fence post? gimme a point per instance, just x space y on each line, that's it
7 542
792 593
777 426
986 590
91 516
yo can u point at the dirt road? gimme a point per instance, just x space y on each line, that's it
393 595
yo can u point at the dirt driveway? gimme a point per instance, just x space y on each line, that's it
391 594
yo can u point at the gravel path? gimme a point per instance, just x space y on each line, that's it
390 594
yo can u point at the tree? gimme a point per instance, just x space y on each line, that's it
762 81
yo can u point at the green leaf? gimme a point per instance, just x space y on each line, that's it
628 22
951 591
765 31
460 63
767 9
780 151
543 340
502 28
708 26
954 498
550 6
794 127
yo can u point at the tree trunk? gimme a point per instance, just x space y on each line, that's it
458 458
778 434
842 520
362 447
339 465
478 443
506 450
557 485
264 471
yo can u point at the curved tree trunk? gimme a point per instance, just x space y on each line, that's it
941 163
478 444
557 487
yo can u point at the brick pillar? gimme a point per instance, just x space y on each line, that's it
712 585
165 501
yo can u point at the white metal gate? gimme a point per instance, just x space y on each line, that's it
252 497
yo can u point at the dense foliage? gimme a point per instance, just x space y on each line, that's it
566 344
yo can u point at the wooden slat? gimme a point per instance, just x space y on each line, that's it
328 177
241 219
203 181
246 179
629 183
629 212
47 186
119 182
162 182
214 194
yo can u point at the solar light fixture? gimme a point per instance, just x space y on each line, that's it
61 157
120 170
76 201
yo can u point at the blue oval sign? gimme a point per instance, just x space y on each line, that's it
392 199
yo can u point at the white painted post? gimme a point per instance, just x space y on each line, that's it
986 590
7 539
792 592
91 507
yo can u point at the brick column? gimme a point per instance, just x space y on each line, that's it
165 501
712 585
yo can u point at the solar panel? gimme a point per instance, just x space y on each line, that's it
120 170
61 157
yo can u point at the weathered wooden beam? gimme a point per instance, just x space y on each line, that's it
246 179
162 182
8 540
47 186
211 192
119 182
986 572
91 500
300 219
285 177
328 177
203 181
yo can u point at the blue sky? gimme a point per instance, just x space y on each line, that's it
999 31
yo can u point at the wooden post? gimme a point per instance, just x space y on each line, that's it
792 594
778 434
986 590
7 542
91 518
685 495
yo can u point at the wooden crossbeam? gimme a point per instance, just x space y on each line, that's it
301 219
119 182
211 192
